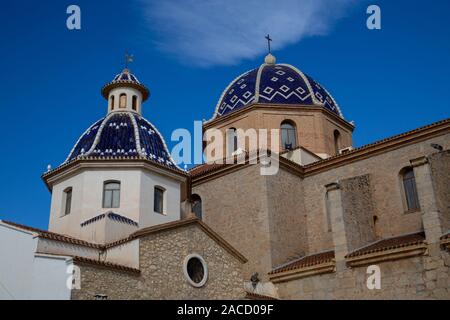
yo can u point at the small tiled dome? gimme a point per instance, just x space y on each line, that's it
122 135
276 84
126 79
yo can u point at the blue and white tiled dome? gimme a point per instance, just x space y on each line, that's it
122 135
274 84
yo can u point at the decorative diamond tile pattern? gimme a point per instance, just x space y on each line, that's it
285 91
278 84
237 95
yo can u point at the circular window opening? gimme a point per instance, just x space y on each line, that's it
195 270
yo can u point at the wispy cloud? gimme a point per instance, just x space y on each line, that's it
224 32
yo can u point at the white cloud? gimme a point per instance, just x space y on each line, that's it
224 32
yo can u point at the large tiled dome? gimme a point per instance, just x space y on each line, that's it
273 83
122 135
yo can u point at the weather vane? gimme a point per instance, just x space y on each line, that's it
269 40
128 59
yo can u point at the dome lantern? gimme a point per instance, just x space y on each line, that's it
125 93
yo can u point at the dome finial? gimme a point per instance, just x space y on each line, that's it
269 59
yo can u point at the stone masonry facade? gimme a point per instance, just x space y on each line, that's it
161 270
274 219
413 278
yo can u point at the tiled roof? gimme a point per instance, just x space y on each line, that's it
275 84
122 135
306 261
105 264
177 224
112 216
389 244
53 236
255 296
344 158
205 168
378 143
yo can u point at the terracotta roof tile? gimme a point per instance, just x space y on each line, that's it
54 236
390 243
209 168
379 142
205 168
105 264
306 261
180 223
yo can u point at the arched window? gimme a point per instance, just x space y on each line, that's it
123 101
134 103
409 189
111 194
288 135
196 205
112 102
337 141
232 141
158 200
67 200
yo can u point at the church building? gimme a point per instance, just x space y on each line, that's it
126 222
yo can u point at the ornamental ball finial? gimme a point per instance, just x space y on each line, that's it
270 59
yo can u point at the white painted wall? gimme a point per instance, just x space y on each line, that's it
63 248
172 200
50 278
126 254
17 250
24 276
136 199
301 157
129 92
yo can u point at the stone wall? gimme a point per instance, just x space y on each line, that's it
413 278
315 128
115 284
162 256
358 211
440 170
386 193
287 218
236 207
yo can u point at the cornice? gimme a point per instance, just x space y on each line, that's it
327 267
358 154
110 163
277 107
387 255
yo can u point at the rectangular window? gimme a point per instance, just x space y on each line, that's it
409 186
411 194
111 195
158 205
67 201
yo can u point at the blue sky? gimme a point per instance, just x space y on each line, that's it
186 52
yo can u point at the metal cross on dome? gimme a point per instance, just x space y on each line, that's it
128 59
269 40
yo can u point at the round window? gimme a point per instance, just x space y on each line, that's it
195 270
